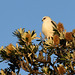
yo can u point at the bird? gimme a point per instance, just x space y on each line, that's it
47 26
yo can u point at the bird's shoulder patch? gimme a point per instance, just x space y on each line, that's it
55 26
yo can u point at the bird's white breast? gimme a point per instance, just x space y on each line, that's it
47 29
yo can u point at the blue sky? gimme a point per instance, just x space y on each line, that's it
28 14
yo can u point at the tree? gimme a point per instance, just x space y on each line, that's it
36 59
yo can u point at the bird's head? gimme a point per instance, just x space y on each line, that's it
46 18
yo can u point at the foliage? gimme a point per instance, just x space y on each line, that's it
36 59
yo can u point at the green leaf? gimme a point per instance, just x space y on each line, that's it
62 59
34 36
32 33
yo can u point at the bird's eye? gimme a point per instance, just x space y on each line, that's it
44 18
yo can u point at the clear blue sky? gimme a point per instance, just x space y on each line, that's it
28 14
